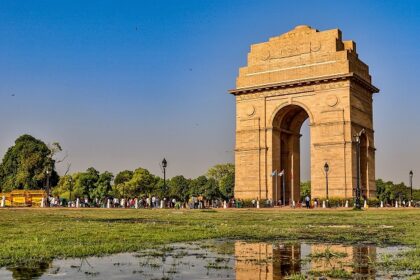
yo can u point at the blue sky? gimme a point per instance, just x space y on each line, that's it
121 84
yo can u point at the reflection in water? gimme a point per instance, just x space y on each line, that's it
30 270
266 261
287 259
363 259
217 259
277 261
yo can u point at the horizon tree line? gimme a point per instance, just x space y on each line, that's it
29 163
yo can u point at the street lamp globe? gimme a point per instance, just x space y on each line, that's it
164 163
411 174
326 167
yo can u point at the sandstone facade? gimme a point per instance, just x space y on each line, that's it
303 74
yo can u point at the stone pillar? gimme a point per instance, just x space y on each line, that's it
273 153
108 203
77 203
295 167
3 201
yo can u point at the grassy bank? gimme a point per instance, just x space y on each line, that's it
41 234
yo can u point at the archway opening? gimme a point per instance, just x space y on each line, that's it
287 126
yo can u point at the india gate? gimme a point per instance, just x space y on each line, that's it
304 74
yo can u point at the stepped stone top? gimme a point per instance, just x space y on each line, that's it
302 54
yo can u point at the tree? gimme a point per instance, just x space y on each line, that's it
179 188
123 177
224 174
103 186
120 183
87 181
142 182
64 187
25 164
211 189
305 189
227 184
388 191
197 186
89 184
160 189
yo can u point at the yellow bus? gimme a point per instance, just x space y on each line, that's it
22 198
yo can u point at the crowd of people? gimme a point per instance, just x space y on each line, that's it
198 203
142 202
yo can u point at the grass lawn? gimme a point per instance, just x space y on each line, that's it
30 235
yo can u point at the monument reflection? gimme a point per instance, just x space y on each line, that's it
277 261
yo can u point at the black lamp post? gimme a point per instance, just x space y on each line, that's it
411 185
357 138
326 169
164 165
276 175
48 172
71 187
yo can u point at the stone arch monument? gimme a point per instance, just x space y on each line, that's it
303 74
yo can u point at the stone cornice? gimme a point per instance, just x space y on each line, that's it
296 83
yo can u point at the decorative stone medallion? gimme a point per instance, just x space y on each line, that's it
250 110
332 100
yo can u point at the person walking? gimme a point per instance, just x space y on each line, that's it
307 201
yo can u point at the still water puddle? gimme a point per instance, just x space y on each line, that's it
216 259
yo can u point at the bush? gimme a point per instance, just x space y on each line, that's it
373 202
247 203
340 202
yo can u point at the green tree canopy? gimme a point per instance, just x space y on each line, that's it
197 186
91 184
142 182
224 175
87 181
212 189
25 164
160 189
388 191
179 188
103 186
123 177
305 189
64 188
